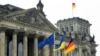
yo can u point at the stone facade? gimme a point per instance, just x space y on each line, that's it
78 29
21 30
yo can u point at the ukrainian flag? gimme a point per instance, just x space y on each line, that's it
61 44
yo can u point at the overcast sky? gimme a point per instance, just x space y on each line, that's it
62 9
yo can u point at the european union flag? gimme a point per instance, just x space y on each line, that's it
48 41
41 44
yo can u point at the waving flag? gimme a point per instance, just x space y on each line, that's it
48 41
73 5
70 47
41 44
61 44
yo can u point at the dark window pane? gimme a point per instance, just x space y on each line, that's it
71 28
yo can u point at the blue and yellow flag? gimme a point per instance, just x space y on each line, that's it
48 41
61 45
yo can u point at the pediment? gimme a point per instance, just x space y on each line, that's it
8 9
33 18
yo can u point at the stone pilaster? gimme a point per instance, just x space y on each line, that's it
35 46
14 44
2 43
89 52
77 52
85 53
69 54
25 45
58 53
80 51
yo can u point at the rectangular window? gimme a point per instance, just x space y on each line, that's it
71 28
61 30
67 29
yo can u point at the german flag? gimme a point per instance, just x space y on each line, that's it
73 5
70 47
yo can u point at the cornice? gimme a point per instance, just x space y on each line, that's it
24 24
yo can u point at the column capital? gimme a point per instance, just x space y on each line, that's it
26 33
16 31
3 28
37 35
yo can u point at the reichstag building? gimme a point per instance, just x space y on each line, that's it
22 29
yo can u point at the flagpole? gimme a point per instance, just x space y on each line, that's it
54 45
72 12
64 34
73 7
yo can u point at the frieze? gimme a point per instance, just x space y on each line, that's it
30 18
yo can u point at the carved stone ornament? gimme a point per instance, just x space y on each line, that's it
32 19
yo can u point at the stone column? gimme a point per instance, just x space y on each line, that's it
59 53
2 43
14 44
25 45
6 45
62 52
46 50
39 52
35 46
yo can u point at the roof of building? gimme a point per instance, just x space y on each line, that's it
24 15
73 19
8 8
